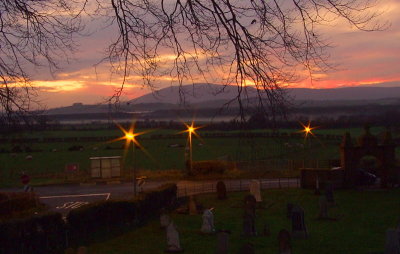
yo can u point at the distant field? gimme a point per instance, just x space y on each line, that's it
51 157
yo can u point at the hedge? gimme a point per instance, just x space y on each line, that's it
16 202
109 218
210 167
49 233
39 234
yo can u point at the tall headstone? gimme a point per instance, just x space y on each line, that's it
249 216
255 189
222 242
323 207
284 242
329 193
299 229
82 250
207 226
221 190
164 219
289 208
192 205
392 245
247 248
173 242
266 230
69 251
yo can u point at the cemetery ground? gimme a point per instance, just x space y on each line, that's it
45 161
362 218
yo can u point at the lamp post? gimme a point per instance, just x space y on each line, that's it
130 138
191 130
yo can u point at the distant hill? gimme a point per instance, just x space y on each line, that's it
203 96
198 93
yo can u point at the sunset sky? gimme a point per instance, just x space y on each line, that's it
361 58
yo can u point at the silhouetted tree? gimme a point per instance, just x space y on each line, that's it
35 33
242 42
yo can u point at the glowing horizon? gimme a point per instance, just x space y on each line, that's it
359 58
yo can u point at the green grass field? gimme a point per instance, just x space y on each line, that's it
53 157
362 220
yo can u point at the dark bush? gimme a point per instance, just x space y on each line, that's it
38 234
109 218
15 202
211 167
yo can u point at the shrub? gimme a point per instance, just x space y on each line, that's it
16 202
211 167
38 234
109 218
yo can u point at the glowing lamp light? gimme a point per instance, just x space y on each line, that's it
307 129
129 136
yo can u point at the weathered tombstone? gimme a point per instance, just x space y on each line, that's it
329 193
221 190
173 243
69 251
323 207
192 206
392 245
317 190
266 230
247 248
255 189
284 242
164 219
82 250
249 216
222 242
207 226
299 229
289 208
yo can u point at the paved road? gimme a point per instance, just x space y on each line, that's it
63 198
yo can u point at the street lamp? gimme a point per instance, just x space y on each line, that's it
191 129
307 129
130 137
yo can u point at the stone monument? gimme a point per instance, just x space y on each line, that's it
207 226
221 190
173 242
255 190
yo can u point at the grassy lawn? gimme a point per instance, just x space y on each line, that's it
363 218
51 158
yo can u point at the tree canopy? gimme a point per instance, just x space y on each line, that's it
258 43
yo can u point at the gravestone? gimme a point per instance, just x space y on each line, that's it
69 251
329 193
255 189
289 208
221 190
247 248
164 219
299 229
222 242
323 207
207 226
284 242
82 250
266 230
173 242
192 205
392 245
317 190
249 216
